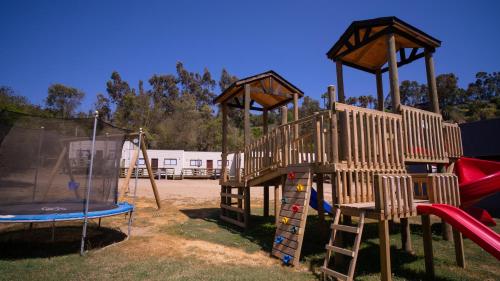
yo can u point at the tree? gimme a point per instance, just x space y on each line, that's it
103 105
226 80
413 93
309 106
63 100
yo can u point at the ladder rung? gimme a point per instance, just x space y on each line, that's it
340 250
335 274
345 228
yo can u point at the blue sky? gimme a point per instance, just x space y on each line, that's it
79 43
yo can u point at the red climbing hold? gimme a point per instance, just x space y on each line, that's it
295 208
291 176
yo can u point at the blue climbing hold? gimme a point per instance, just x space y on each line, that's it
279 239
73 185
284 200
287 259
294 229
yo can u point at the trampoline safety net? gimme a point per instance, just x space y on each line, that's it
45 164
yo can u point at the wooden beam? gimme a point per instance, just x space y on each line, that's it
427 237
266 201
284 115
150 172
225 124
334 142
277 204
296 113
340 81
246 117
380 90
431 81
459 248
406 235
393 72
125 185
385 250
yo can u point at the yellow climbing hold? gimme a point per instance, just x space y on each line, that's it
285 220
300 187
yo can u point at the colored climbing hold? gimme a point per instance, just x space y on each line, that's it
295 208
287 259
284 200
294 229
300 187
291 176
279 239
285 220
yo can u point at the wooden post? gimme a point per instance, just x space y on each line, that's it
333 128
131 166
393 72
224 173
380 90
427 236
247 115
248 211
431 81
267 161
406 235
385 251
340 81
150 171
296 113
319 198
459 248
396 102
277 205
284 115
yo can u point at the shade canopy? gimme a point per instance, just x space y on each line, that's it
268 89
364 45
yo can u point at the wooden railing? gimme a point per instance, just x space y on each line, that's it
423 136
439 188
452 140
370 139
302 141
394 196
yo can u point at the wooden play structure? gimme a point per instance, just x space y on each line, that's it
366 153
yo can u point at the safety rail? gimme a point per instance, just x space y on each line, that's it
301 141
452 140
394 196
439 188
423 136
369 139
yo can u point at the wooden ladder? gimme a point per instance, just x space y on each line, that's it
234 206
331 248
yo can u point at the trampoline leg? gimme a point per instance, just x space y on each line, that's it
129 224
31 226
99 226
53 231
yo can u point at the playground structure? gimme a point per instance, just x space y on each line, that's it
57 170
366 153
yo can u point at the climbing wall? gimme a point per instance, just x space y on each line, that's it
293 215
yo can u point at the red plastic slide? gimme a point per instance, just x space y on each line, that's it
478 179
463 222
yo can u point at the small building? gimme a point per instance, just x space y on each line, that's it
175 163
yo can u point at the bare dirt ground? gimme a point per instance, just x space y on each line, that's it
191 191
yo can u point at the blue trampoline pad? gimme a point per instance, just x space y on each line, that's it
121 208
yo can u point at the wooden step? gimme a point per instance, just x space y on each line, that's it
231 208
342 251
346 228
335 274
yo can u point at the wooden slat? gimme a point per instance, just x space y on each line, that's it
345 228
335 274
342 251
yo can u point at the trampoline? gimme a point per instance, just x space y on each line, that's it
54 170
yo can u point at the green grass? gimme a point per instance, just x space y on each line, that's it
31 256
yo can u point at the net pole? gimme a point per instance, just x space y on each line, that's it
89 186
135 181
40 141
